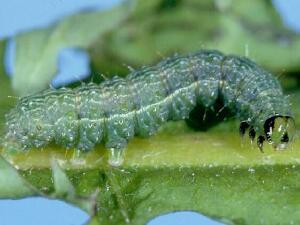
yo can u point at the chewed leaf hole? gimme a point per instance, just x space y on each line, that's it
183 218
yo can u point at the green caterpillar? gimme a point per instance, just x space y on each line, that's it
117 109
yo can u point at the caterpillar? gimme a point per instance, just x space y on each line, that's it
119 108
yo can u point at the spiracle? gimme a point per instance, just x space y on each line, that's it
119 108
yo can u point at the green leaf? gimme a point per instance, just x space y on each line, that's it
7 98
62 185
153 32
214 173
2 52
10 179
37 51
65 190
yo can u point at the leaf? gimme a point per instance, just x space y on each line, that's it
62 185
36 51
214 172
2 52
93 221
64 189
9 180
177 169
153 32
7 98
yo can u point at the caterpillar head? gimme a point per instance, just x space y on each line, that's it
279 131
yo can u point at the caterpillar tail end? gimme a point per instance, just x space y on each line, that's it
116 156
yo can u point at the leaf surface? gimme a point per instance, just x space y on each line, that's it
37 51
215 173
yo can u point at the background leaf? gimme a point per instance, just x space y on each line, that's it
37 51
162 28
